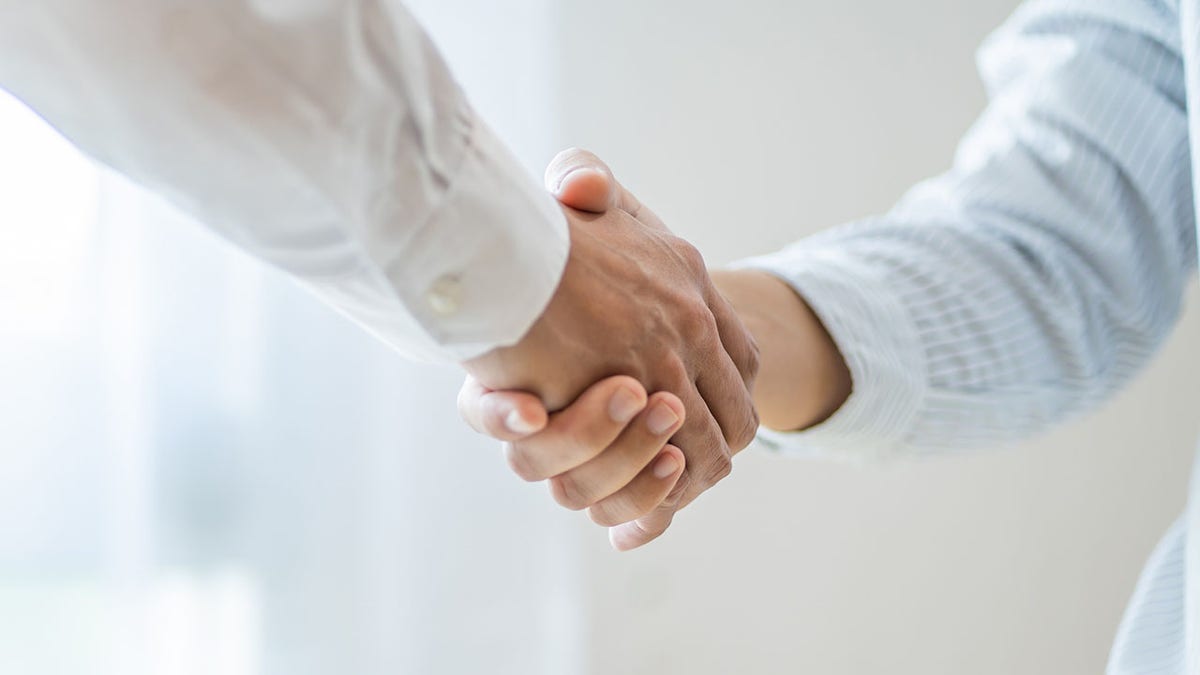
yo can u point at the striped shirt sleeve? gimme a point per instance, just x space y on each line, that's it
1034 278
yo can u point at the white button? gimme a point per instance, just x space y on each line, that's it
445 295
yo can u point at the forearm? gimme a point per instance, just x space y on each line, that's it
803 378
1035 278
326 137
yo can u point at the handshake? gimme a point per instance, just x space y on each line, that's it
636 312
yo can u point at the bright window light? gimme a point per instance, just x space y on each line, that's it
48 204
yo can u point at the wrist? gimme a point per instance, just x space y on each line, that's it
804 378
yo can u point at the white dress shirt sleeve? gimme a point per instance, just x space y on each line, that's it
1038 275
325 136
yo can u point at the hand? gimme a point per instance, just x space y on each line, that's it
805 378
611 444
657 312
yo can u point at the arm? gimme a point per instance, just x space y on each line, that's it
1037 276
1022 287
324 136
328 137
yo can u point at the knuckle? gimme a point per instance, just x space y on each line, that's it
621 508
519 462
690 255
745 435
751 361
569 493
698 325
673 499
605 515
650 529
462 404
467 407
718 470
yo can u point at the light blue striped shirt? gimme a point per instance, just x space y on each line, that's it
1038 275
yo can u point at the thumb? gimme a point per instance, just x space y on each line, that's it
578 179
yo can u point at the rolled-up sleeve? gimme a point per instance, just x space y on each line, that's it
324 136
1037 276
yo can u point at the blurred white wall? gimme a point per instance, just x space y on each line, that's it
749 124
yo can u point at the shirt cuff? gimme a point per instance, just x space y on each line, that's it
482 269
879 342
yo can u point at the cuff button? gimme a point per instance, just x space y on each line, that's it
445 295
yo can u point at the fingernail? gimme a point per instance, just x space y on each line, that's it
666 466
624 405
661 419
518 424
